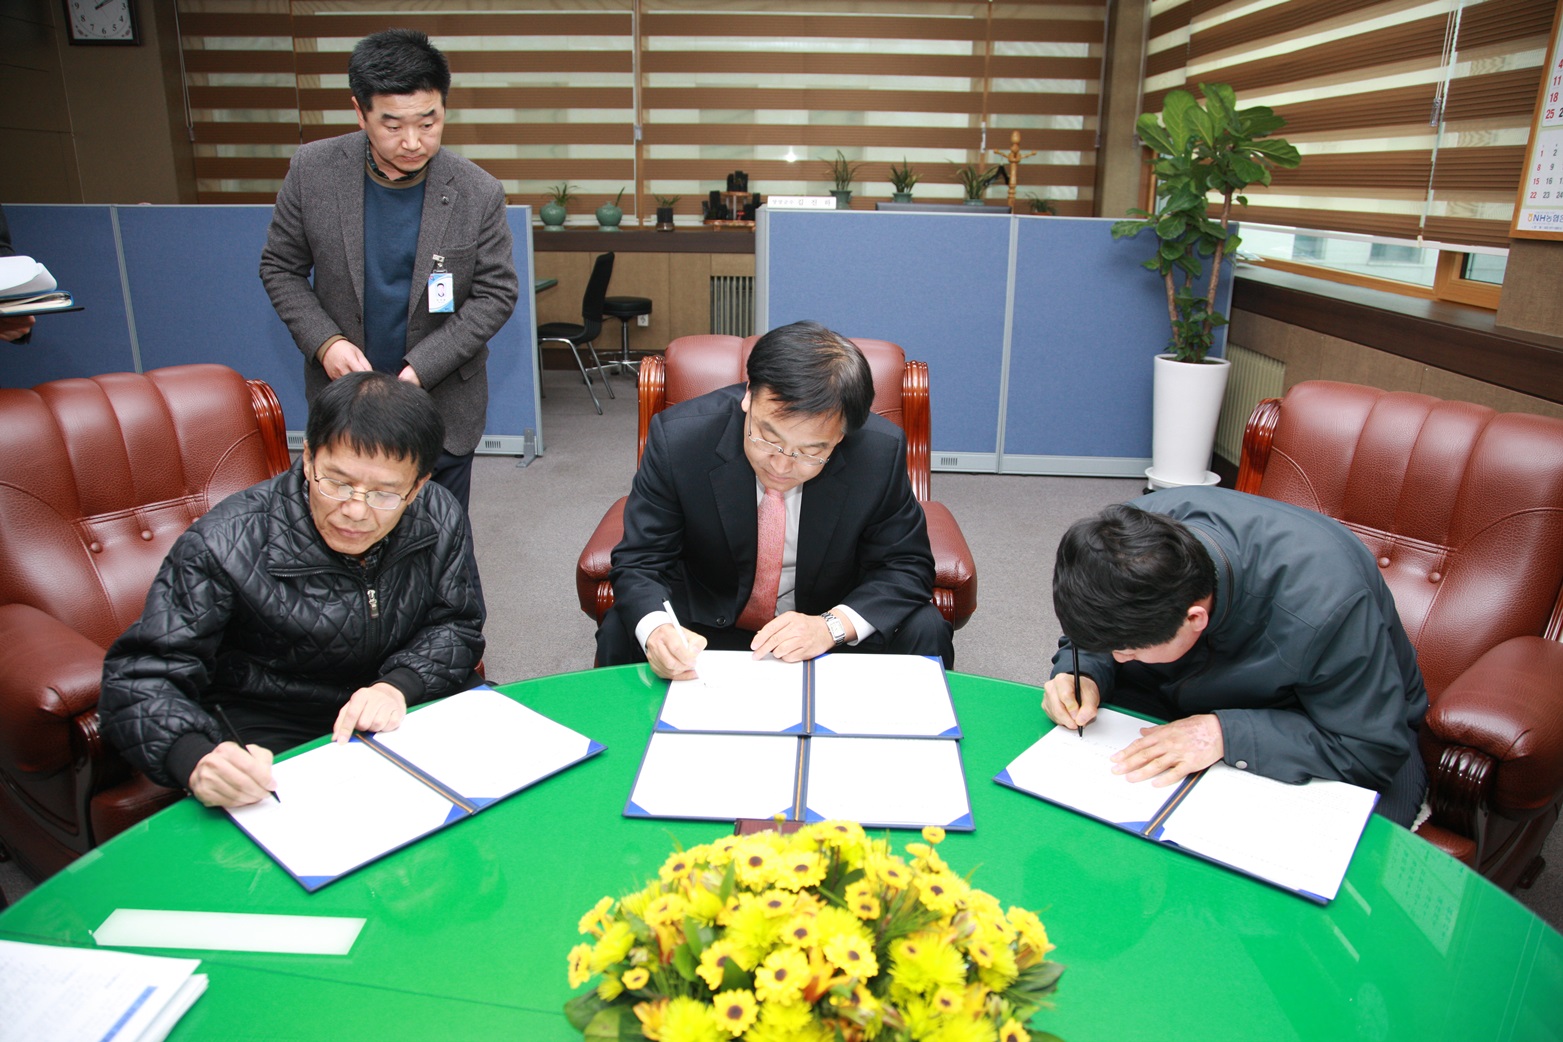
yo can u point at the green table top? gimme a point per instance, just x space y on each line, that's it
467 931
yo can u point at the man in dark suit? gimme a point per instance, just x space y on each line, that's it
409 246
775 516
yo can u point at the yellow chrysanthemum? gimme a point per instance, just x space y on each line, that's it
852 955
780 978
933 834
609 988
713 963
1033 934
777 903
592 921
756 863
613 946
800 930
923 963
1003 970
963 1029
666 908
799 869
862 899
1012 1031
735 1010
580 965
703 905
888 871
690 1020
939 891
788 1023
752 932
948 1000
636 977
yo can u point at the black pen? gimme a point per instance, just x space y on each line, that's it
233 736
1079 703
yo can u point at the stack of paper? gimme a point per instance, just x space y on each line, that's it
26 288
868 738
1297 837
50 994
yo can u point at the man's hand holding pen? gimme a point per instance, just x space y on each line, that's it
1064 707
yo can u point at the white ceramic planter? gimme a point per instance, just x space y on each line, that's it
1187 401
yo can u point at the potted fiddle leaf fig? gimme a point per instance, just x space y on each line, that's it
553 212
1199 151
902 180
842 174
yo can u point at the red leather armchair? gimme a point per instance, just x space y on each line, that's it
1463 507
694 365
97 479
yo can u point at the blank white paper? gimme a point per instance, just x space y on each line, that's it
342 805
484 745
903 695
720 776
890 782
735 692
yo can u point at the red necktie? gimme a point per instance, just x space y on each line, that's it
767 563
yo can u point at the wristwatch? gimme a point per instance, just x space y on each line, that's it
838 632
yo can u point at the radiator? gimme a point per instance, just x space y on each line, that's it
732 304
1253 377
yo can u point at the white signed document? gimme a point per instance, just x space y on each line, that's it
343 805
1297 837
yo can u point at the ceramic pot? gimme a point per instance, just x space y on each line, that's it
843 198
901 197
608 217
553 215
1187 399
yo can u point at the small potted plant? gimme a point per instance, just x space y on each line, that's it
1198 150
902 180
975 180
553 212
1040 204
842 174
609 214
665 204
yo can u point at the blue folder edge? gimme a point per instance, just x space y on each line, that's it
313 883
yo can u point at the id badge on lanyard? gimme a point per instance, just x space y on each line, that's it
442 289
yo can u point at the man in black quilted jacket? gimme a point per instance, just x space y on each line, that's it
325 600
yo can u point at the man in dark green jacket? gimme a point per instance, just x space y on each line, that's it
1263 632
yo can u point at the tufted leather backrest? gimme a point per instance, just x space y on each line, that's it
699 364
1462 506
99 476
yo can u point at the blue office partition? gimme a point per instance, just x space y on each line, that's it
934 283
194 274
1039 331
77 245
191 277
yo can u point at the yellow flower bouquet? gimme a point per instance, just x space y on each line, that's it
826 934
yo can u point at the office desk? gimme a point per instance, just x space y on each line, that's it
467 931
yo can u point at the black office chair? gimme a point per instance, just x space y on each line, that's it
575 336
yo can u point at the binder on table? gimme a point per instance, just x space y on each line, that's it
345 805
902 696
27 288
1296 837
878 782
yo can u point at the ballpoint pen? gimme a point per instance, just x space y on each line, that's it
1079 727
233 736
667 606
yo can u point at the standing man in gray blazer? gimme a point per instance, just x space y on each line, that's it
409 247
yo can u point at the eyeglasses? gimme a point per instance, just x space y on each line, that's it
773 449
342 492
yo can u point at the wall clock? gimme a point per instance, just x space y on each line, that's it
102 21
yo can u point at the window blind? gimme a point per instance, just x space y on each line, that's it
1411 115
554 90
